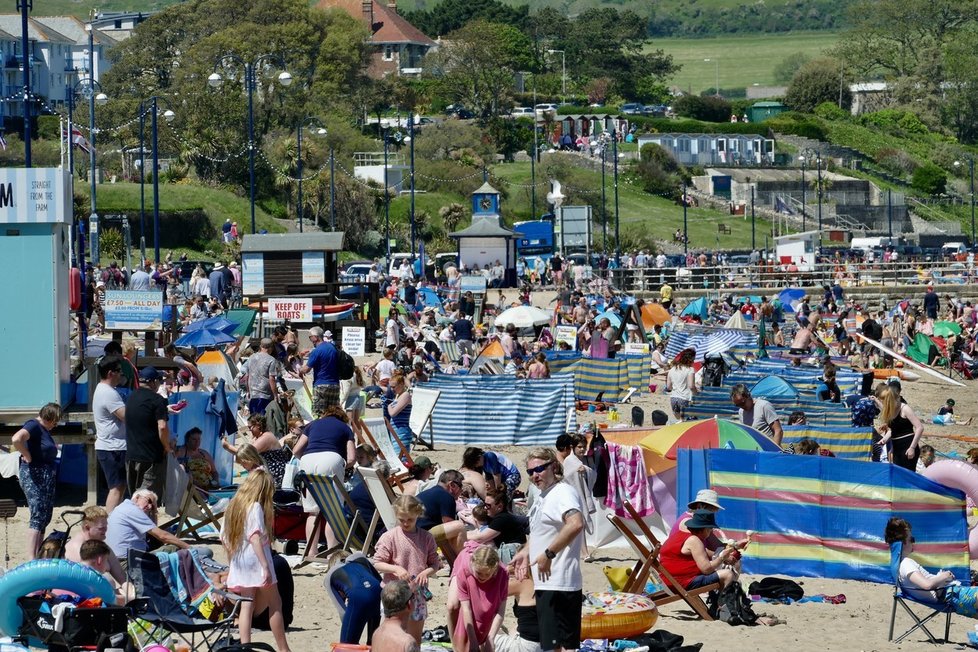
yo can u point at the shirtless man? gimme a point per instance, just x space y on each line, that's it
802 343
392 635
580 312
93 528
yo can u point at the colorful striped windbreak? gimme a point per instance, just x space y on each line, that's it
823 517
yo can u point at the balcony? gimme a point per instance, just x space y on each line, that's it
16 62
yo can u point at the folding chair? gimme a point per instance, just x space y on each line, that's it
188 506
157 604
673 591
351 534
382 494
902 598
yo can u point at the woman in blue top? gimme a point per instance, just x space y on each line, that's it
500 472
397 412
38 472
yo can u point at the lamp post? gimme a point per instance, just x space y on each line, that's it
92 91
717 62
804 215
410 139
142 182
396 137
168 115
604 204
250 81
685 222
818 167
25 7
306 123
614 154
563 73
971 176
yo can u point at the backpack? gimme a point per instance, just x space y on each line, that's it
346 365
714 369
775 588
732 606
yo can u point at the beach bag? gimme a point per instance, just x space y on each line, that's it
732 606
288 478
346 365
775 588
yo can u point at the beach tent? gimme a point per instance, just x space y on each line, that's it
774 386
244 319
737 320
429 299
216 364
491 359
923 350
791 298
613 317
697 307
817 516
653 314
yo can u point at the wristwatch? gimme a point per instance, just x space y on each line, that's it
550 553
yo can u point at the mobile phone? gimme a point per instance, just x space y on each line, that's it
426 593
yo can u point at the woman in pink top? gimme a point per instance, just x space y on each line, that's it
411 554
539 367
477 598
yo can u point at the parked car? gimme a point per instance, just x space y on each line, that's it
632 108
543 109
459 111
521 112
655 110
355 271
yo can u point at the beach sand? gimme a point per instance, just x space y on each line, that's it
860 624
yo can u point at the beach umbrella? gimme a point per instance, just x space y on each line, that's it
946 328
204 337
791 298
653 314
708 433
211 323
524 317
613 317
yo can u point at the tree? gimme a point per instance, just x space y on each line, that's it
784 71
451 15
821 80
477 65
451 216
929 179
708 108
960 108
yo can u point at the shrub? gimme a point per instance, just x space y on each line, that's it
929 179
896 161
111 244
817 82
709 109
830 111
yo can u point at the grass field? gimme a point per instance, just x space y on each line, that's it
743 60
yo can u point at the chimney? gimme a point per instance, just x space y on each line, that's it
392 5
367 7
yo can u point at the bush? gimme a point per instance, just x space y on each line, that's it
817 82
896 161
111 244
660 156
929 179
806 128
709 109
830 111
668 125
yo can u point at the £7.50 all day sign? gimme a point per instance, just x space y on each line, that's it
291 309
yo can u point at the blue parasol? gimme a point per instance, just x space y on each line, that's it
211 323
204 337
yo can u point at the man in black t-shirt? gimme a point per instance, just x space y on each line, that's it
147 435
440 516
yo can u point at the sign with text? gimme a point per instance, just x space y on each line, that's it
128 310
474 283
252 274
567 334
355 340
313 267
35 196
291 309
636 347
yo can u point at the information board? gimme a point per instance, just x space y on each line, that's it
252 274
355 340
35 196
290 308
128 310
313 267
566 334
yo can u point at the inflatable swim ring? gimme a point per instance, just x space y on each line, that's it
958 475
616 615
42 574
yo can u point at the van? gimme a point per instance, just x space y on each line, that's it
396 260
950 249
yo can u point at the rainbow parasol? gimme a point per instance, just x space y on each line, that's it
708 433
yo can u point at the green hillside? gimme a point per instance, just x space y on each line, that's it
82 8
743 60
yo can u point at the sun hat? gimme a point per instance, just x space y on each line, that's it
701 519
707 497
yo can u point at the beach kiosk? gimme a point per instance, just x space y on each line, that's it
486 240
797 250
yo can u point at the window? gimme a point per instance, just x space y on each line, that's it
388 53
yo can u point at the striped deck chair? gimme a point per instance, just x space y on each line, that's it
351 534
451 351
188 506
382 494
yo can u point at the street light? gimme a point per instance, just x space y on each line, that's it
24 7
250 81
91 90
818 167
168 115
717 62
412 118
398 138
614 154
804 215
320 130
971 175
563 73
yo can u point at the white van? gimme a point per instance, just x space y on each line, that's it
543 109
953 249
396 260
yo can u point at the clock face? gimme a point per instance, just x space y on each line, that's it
485 203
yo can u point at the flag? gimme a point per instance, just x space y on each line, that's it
78 139
3 142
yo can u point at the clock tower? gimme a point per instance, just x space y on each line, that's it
486 243
485 203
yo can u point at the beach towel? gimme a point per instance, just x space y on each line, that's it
628 480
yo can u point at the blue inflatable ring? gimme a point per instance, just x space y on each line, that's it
43 574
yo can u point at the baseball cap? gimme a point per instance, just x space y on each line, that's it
150 374
423 462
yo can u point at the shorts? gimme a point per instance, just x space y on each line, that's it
113 465
799 351
419 606
703 580
325 463
559 616
324 396
258 405
679 405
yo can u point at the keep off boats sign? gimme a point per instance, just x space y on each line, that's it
291 309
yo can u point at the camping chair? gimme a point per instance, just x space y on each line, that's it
673 591
351 533
902 598
160 612
189 506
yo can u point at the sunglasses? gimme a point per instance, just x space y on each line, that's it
538 469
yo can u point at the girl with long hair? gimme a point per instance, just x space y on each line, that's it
681 383
901 427
245 535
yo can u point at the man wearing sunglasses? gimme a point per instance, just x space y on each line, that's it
553 553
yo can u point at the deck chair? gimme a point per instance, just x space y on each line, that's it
673 591
161 612
905 599
188 506
639 574
351 534
382 494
